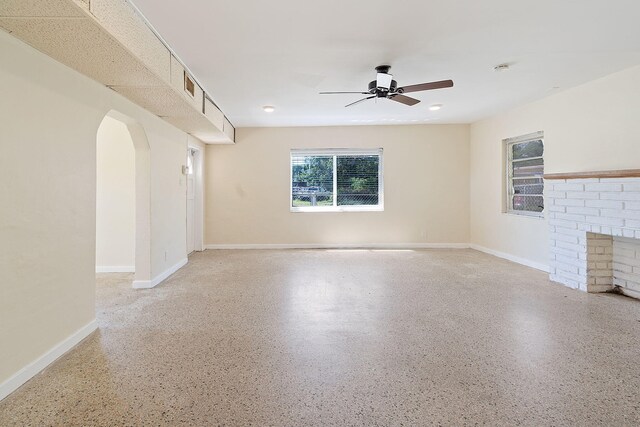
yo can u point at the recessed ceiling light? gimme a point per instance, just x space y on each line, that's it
269 108
501 67
435 107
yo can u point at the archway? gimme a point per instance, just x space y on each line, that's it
131 232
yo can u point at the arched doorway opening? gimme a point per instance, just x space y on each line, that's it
123 198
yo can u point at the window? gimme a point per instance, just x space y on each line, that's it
525 167
336 180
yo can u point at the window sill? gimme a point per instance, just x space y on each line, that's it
533 215
339 209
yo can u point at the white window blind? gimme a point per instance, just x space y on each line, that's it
525 170
336 180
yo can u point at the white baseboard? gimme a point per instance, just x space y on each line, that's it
33 368
339 246
148 284
513 258
116 269
629 292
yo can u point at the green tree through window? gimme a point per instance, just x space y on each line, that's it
357 179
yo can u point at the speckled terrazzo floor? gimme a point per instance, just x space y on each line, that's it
364 338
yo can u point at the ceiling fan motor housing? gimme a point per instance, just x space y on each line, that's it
381 93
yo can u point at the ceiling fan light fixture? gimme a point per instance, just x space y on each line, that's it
435 107
269 108
384 81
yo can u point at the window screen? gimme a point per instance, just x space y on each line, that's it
336 180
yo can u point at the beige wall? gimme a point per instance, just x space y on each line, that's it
50 116
115 197
426 184
595 126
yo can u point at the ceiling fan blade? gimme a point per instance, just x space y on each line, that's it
334 93
426 86
360 100
406 100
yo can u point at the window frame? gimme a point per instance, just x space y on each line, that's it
335 153
509 193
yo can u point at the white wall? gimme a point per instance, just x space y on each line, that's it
426 184
48 201
588 128
115 198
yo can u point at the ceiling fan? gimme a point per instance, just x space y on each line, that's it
385 87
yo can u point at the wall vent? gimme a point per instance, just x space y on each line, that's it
189 85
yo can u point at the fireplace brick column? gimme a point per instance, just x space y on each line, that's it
583 214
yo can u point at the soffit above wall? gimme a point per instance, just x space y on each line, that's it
122 23
39 8
158 100
175 110
111 44
80 44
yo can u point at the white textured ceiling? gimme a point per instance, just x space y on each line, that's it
252 53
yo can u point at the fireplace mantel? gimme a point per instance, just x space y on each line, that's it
620 173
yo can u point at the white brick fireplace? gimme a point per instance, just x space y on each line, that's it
594 225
